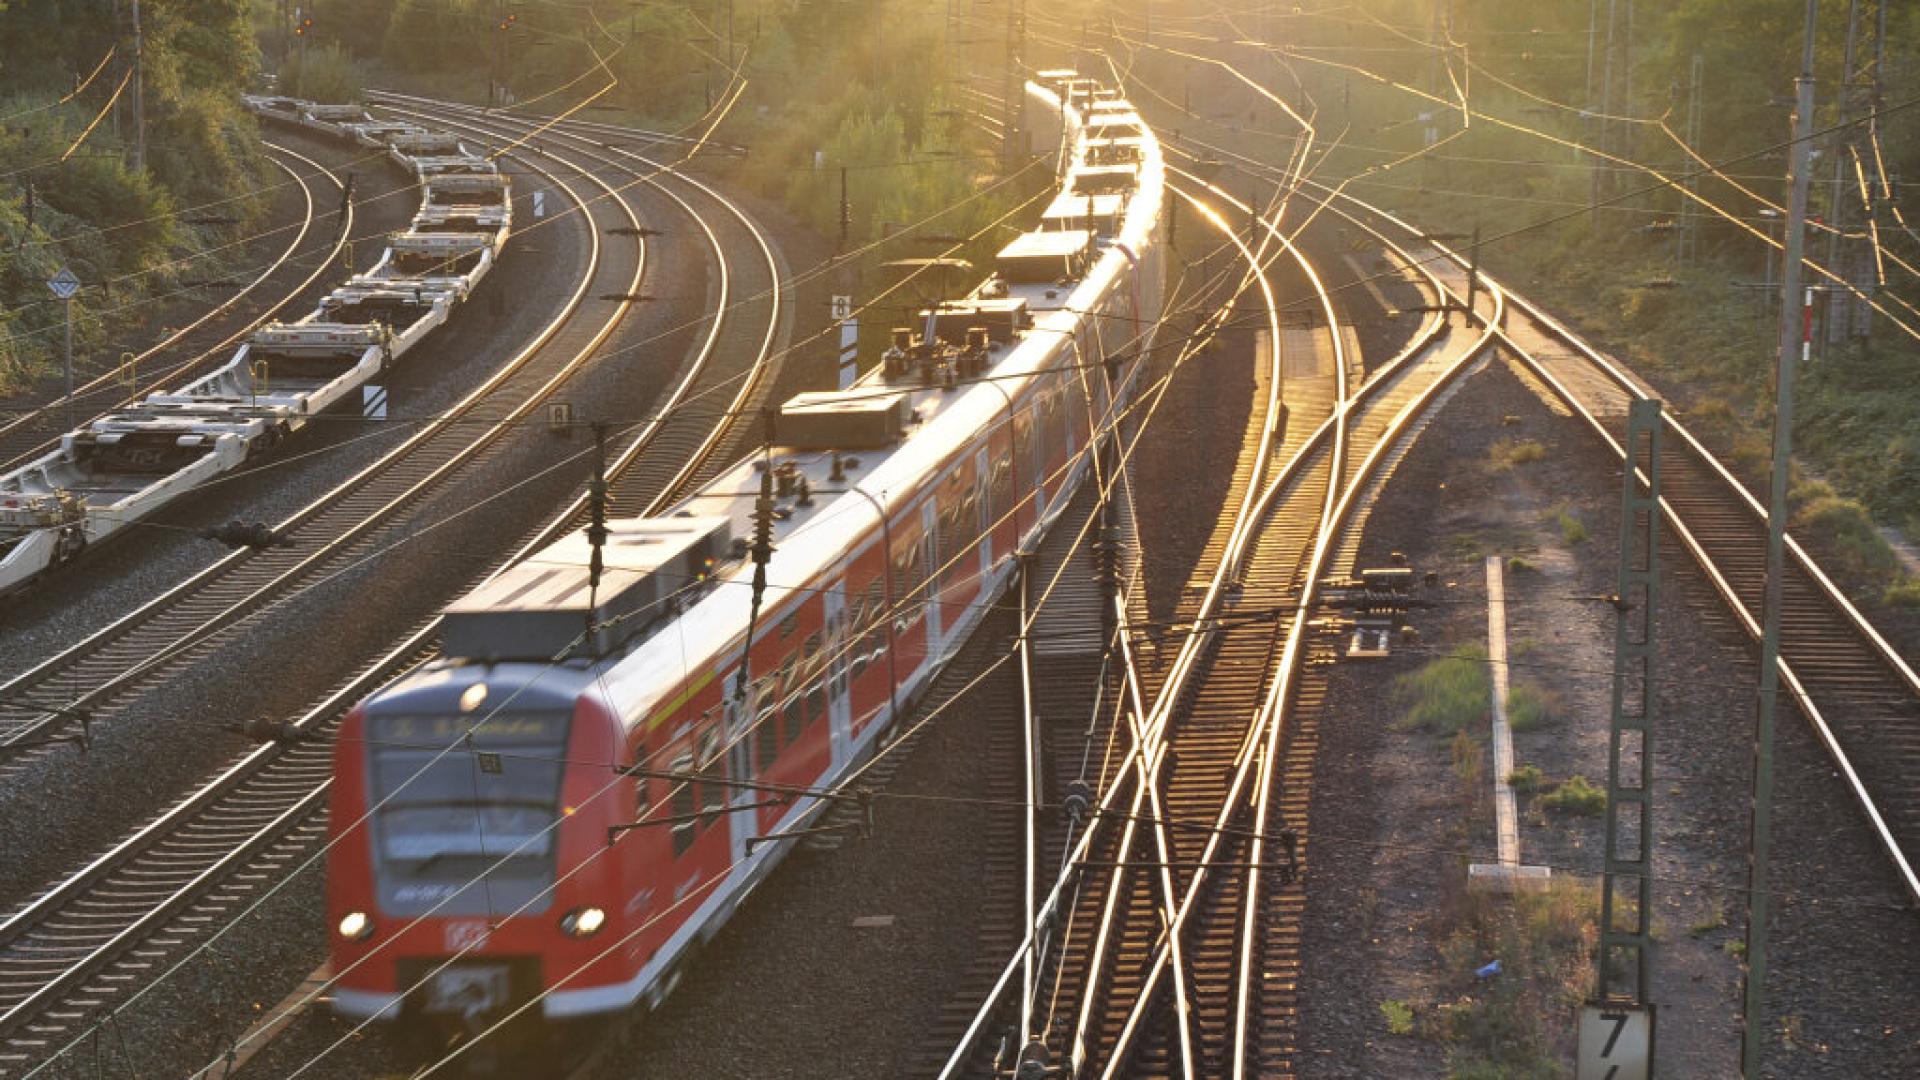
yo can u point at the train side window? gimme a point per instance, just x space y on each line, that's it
796 718
683 804
766 740
713 774
910 575
816 678
1023 442
642 791
1001 489
863 627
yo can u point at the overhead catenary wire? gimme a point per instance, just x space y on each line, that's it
189 958
937 710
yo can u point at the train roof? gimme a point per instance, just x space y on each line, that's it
852 493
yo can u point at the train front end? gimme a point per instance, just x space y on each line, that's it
469 873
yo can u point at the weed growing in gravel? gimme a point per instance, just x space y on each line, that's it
1527 779
1505 454
1472 545
1530 706
1520 564
1399 1017
1501 1027
1445 695
1470 767
1714 919
1576 796
1572 529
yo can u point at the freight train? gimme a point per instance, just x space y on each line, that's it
127 464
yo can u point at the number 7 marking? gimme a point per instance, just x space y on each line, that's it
1619 1024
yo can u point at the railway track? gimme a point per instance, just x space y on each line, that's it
1197 755
37 430
731 380
339 529
1859 695
100 934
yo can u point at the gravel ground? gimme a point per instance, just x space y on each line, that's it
1389 814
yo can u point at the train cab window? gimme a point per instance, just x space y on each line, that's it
683 803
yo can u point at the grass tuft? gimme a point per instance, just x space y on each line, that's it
1506 454
1446 695
1576 796
1572 529
1399 1017
1529 706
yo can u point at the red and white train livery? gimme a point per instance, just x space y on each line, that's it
479 860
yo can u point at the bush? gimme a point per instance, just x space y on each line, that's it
1844 532
326 74
1505 454
1527 779
1528 707
1576 796
1520 564
1904 593
1446 695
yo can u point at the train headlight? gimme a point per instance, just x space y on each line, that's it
355 926
583 922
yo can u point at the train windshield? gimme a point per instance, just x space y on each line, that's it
465 810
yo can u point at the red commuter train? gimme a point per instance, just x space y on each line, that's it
554 814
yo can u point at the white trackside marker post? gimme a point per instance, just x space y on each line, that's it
539 205
373 402
849 340
63 285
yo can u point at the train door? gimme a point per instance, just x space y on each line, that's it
839 647
983 510
741 711
930 555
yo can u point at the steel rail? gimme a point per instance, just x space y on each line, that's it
1824 729
107 379
1149 744
1373 385
699 460
1166 957
1204 622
